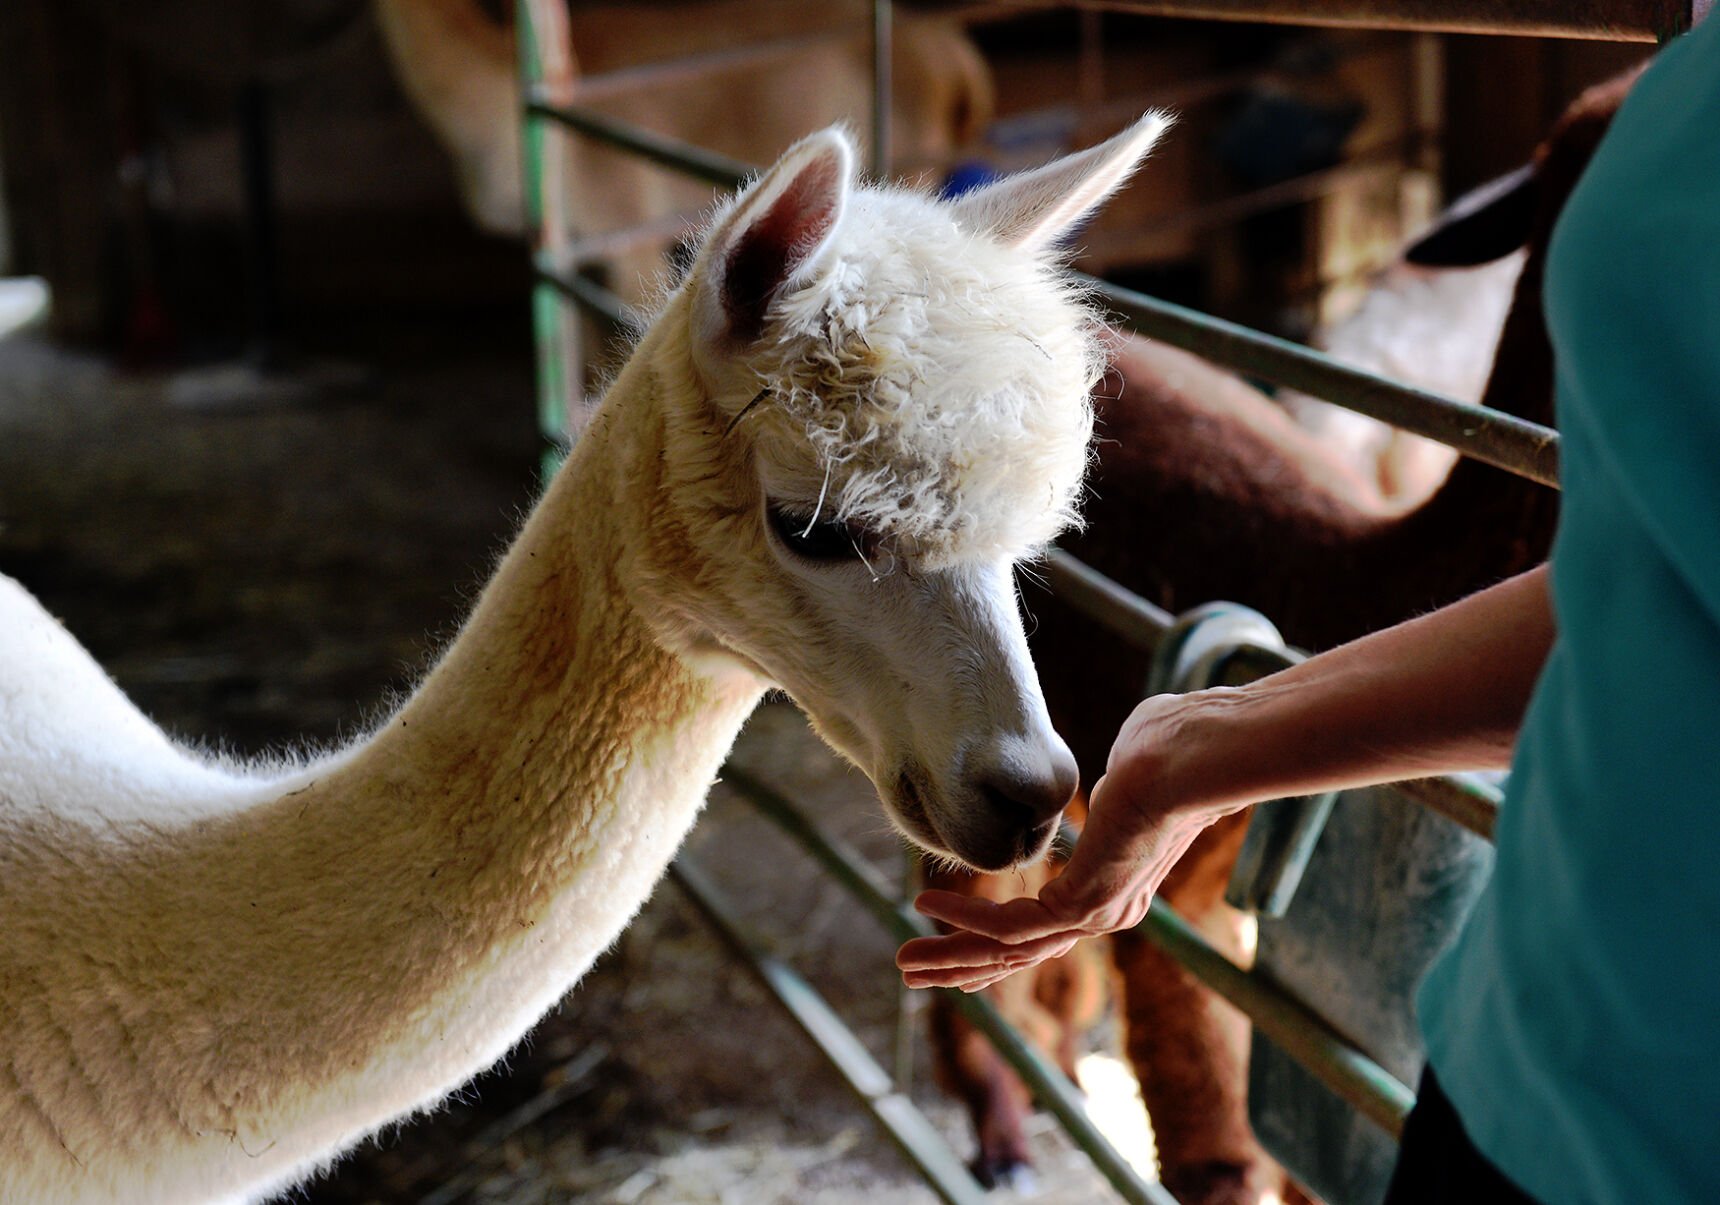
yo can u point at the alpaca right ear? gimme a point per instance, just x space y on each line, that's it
775 235
1033 209
1485 224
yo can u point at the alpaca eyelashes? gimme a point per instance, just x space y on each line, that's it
826 540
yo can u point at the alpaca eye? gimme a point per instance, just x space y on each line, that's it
821 540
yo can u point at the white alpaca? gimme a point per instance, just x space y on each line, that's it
815 471
1436 328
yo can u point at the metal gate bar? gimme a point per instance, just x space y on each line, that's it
883 17
1461 799
710 166
1490 436
1307 1037
1604 20
1049 1085
582 291
546 70
1098 597
1468 802
900 1117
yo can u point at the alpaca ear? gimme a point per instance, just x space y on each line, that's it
774 235
1033 209
1483 225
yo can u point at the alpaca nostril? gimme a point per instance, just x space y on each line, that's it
1028 801
1006 813
1017 792
1021 826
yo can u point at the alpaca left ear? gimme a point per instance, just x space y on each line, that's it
775 235
1033 209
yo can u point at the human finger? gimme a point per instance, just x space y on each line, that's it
963 979
1013 921
977 979
981 984
972 950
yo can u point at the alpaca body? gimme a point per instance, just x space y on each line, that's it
816 471
1207 489
1195 502
1429 327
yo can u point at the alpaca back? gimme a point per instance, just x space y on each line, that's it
67 733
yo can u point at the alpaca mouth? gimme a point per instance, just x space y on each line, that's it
1000 851
997 852
911 810
1034 843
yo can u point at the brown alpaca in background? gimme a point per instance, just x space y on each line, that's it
1205 490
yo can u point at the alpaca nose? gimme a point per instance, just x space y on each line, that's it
1025 795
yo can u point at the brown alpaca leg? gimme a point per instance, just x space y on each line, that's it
1189 1048
1052 1006
997 1101
1072 991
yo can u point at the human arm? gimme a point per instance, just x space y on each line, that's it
1442 692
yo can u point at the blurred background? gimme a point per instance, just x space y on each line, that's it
267 415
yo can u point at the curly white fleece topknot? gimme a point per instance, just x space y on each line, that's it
941 378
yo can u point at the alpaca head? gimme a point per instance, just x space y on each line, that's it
883 406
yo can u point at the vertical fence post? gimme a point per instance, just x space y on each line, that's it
882 42
545 70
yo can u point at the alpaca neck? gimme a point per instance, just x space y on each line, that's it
558 732
547 770
360 938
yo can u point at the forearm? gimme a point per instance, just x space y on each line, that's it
1442 692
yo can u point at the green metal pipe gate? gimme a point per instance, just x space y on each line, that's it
1524 448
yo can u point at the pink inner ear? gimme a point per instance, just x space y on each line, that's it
777 242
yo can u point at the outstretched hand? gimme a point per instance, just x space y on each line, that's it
1134 835
1391 705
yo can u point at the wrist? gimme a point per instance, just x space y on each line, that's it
1177 752
1211 750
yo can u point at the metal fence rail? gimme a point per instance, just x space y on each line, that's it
1607 20
1491 436
1127 615
1504 440
684 157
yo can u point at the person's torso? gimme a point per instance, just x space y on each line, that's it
1576 1022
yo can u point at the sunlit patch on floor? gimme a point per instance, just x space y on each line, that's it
1114 1104
23 300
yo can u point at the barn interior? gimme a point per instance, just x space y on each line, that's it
271 407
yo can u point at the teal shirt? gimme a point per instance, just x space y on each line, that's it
1575 1024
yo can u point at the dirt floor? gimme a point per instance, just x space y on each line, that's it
264 572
